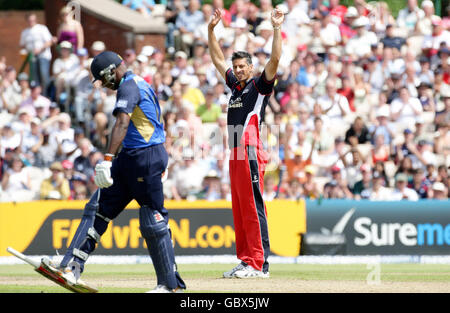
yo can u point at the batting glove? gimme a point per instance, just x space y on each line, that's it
103 174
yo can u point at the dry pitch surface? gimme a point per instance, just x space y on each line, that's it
285 278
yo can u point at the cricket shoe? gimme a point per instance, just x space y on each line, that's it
72 273
68 277
165 289
232 272
250 272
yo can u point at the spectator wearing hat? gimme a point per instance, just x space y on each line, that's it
37 40
23 122
346 29
337 187
401 190
242 37
425 25
211 187
181 65
97 47
310 187
62 137
56 187
360 45
64 69
439 191
69 29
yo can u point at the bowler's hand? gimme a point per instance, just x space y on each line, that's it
215 19
277 17
103 174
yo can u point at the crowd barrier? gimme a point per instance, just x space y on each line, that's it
206 228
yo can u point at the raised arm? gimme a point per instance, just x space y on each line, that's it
277 19
217 56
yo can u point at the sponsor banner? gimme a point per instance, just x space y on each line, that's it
384 228
198 228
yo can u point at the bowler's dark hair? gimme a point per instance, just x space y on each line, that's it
242 55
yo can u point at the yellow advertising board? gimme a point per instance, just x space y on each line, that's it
198 227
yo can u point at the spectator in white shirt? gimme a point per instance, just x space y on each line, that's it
405 109
65 68
377 192
333 105
37 40
360 45
401 191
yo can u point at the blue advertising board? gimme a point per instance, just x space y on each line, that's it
384 228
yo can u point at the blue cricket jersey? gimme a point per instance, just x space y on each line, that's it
136 98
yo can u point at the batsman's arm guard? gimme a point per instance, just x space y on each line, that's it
84 231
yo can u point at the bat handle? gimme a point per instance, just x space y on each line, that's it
23 257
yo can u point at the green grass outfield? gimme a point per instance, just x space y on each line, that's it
137 278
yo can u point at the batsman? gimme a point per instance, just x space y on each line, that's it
133 173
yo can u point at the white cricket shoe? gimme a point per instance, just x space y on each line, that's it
231 273
72 273
250 272
164 289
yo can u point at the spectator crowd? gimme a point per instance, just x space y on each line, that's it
360 108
